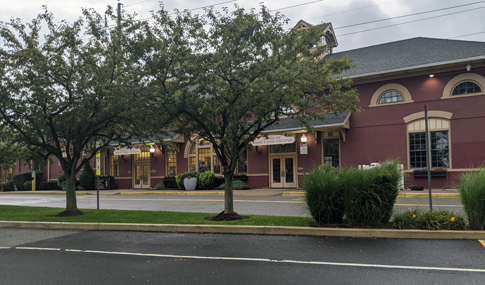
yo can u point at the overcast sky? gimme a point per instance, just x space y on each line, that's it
340 13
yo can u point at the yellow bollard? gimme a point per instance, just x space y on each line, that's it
33 180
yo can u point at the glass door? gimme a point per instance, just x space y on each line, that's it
142 175
283 173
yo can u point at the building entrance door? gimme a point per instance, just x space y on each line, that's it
283 174
142 175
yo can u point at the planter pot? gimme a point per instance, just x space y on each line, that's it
190 183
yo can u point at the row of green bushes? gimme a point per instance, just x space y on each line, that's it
205 181
365 197
428 220
44 185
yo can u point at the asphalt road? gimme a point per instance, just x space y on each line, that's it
260 205
72 257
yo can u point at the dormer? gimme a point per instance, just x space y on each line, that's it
326 38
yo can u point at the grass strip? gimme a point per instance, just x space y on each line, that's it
39 214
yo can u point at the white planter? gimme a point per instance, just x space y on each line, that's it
190 183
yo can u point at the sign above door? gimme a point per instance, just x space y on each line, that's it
273 140
127 151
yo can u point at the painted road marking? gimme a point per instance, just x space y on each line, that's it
266 260
482 242
37 248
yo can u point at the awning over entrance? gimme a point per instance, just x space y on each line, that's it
332 122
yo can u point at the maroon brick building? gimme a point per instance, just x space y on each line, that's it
395 80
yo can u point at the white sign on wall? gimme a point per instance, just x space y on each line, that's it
273 140
127 151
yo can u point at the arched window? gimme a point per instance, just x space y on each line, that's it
463 85
467 87
202 157
391 97
390 94
439 139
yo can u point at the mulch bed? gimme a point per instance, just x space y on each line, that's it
67 214
221 217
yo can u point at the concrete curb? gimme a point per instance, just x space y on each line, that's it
263 230
41 193
401 195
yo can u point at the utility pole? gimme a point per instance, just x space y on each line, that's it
119 15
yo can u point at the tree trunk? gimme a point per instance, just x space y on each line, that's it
228 194
71 201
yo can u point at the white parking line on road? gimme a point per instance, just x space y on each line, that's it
37 248
266 260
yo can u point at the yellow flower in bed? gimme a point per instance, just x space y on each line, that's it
414 216
452 219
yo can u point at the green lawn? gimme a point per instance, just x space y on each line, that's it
39 214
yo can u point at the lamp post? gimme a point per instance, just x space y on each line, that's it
303 141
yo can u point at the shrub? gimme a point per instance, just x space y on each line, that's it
87 180
425 220
9 186
180 178
159 186
369 195
170 182
28 185
472 195
20 178
236 185
324 195
48 186
207 180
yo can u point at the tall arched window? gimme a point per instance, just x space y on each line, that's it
439 139
202 157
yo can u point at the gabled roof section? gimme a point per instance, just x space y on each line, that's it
331 121
415 53
170 137
327 29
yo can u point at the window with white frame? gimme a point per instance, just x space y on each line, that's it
171 162
439 143
202 157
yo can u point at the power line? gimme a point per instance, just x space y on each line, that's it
360 8
136 3
298 5
353 33
414 14
468 35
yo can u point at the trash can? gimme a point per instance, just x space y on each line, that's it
104 182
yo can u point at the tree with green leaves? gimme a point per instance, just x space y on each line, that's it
68 89
227 76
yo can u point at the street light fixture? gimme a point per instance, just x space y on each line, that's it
152 151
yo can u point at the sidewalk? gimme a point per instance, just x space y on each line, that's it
436 193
